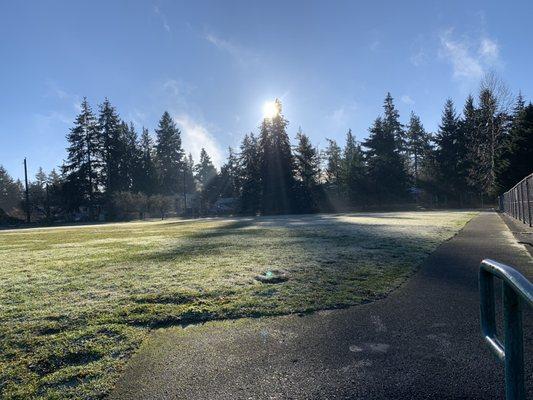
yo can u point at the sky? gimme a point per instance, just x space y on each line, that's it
213 64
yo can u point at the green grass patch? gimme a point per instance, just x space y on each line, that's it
76 302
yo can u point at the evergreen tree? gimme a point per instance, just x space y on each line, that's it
492 125
516 161
111 133
169 156
249 175
208 182
452 153
55 199
147 177
388 179
132 159
205 170
485 145
83 167
353 170
38 191
190 184
468 125
41 178
229 176
277 165
11 192
307 163
225 184
391 123
417 145
333 157
504 174
54 178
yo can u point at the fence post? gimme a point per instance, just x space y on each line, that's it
528 201
514 202
523 202
519 202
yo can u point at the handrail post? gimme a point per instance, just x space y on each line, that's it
514 347
516 291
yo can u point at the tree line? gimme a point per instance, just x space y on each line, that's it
112 170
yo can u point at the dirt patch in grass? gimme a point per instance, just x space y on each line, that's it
76 302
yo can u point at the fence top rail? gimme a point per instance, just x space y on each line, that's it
512 277
530 176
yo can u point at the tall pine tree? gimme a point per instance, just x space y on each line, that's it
333 159
205 170
277 165
84 163
189 184
169 156
250 175
516 160
417 146
307 163
391 123
112 148
229 176
353 171
132 158
147 178
451 155
388 179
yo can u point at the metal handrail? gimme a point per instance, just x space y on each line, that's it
516 291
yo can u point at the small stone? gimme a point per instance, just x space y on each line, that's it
273 276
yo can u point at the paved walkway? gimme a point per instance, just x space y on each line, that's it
421 342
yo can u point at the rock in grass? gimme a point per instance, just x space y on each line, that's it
273 276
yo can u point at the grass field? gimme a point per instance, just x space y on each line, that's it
76 302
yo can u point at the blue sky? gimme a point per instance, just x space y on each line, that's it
212 65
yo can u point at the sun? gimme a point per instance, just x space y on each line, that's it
270 109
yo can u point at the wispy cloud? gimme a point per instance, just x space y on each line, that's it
172 86
196 136
420 50
137 117
470 57
407 99
341 115
239 53
374 43
489 50
419 58
52 118
55 91
162 18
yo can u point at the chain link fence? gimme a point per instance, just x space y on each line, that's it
518 201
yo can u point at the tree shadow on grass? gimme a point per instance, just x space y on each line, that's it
331 263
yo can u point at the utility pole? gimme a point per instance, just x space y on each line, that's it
28 215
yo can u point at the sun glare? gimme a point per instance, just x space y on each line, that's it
270 109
